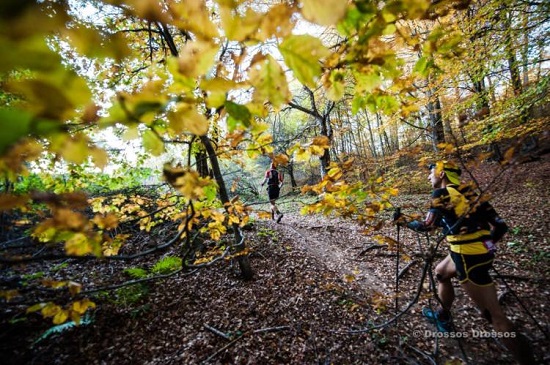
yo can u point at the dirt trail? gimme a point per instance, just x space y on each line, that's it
336 244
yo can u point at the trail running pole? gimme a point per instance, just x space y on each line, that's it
397 213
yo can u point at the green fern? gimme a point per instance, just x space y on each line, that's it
60 328
167 265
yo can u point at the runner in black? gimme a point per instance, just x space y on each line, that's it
274 180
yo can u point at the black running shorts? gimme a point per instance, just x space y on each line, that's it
273 192
474 268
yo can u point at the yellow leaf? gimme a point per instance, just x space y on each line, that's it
74 288
197 58
194 16
54 283
217 90
186 119
36 307
186 181
280 159
151 10
99 157
302 155
78 245
324 12
264 214
277 22
240 28
334 85
82 306
349 278
72 148
416 8
321 141
108 221
270 83
61 317
132 132
50 310
67 218
508 155
9 294
75 317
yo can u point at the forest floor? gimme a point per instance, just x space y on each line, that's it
320 285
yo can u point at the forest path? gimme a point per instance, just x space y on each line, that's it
335 244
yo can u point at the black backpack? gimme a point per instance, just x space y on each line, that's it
273 178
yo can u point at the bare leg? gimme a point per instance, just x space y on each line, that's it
274 208
485 297
445 271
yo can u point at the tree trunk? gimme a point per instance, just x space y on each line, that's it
201 159
509 46
290 169
239 245
436 119
371 135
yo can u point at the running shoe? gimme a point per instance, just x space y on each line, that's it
433 317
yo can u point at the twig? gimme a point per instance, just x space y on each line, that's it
272 329
372 247
268 329
221 350
217 332
405 269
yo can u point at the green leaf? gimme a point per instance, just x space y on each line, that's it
422 66
368 82
335 89
144 107
15 124
238 112
302 54
152 143
32 54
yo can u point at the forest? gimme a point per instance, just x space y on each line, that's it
135 136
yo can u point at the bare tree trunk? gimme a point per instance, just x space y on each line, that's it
290 169
201 159
510 52
371 135
436 119
239 245
380 138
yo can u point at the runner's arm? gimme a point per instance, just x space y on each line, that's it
498 225
427 224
